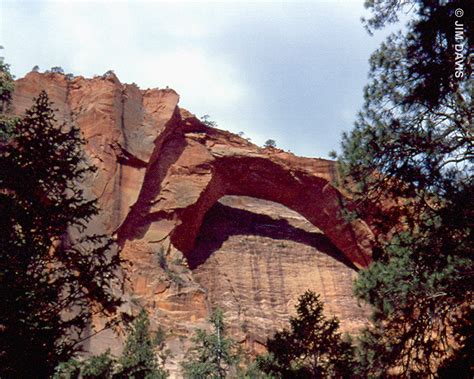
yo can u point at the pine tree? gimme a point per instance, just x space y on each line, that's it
138 360
409 163
206 120
312 348
48 280
212 355
270 143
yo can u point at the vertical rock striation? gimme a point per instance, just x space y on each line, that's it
181 198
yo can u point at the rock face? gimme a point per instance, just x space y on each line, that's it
256 257
204 217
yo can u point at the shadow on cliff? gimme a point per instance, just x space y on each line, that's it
139 218
223 221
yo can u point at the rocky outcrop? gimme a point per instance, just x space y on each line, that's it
164 176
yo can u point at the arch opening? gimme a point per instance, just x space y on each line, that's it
234 216
310 195
255 257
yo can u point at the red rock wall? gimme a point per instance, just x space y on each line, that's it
161 173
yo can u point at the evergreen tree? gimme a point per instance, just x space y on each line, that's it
99 367
138 360
6 84
270 143
206 120
312 348
50 282
253 371
212 355
409 164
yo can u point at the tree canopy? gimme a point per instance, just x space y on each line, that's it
212 355
138 359
51 280
409 163
270 143
312 348
7 122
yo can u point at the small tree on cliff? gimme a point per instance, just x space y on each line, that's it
270 143
6 84
50 282
212 354
206 120
312 348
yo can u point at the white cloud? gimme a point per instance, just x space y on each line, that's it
153 45
200 77
270 69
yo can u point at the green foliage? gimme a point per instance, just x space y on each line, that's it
206 120
7 122
429 46
253 371
7 128
45 271
68 370
138 359
99 366
312 348
6 85
179 261
409 162
212 355
163 263
57 69
270 143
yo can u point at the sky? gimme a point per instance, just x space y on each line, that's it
289 71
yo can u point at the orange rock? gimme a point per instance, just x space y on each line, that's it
161 173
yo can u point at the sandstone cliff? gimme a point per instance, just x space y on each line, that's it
204 217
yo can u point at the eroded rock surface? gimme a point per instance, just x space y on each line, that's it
256 257
161 174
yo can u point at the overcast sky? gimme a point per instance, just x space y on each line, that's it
290 71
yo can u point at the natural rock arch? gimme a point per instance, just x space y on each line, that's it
173 168
197 165
159 171
309 195
242 221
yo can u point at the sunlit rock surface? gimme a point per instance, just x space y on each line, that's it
206 218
